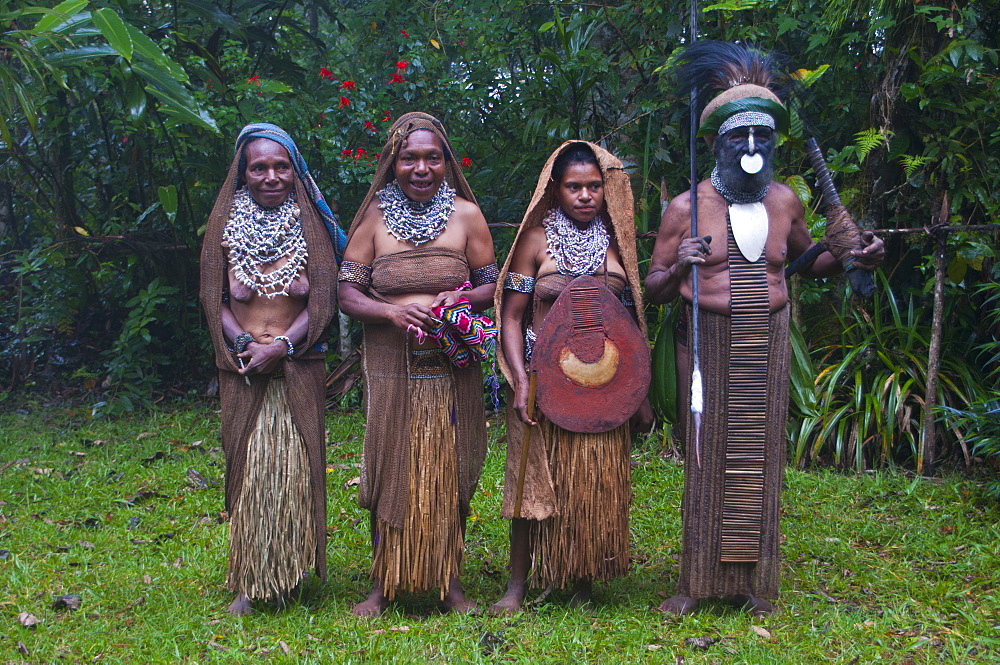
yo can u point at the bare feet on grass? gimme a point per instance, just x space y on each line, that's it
511 601
455 600
373 605
754 605
241 606
679 605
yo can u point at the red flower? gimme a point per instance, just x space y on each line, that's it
322 115
361 152
254 79
466 162
404 33
402 65
378 156
346 153
370 126
396 78
348 85
388 116
325 73
344 101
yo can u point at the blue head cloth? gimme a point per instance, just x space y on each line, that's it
265 130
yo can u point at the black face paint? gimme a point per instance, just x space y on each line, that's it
742 149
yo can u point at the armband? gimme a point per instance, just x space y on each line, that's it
358 273
518 282
485 275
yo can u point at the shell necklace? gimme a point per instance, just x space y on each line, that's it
257 237
577 252
416 221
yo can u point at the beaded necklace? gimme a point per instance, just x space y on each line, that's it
733 195
577 252
257 237
416 221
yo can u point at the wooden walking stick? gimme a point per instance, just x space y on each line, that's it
525 442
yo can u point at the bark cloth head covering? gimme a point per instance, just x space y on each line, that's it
740 83
619 205
325 241
385 173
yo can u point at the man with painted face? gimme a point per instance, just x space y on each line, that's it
749 228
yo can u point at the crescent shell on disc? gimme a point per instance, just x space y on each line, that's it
590 375
749 224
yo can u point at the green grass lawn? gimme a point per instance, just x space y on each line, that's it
126 514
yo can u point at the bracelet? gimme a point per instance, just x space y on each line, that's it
282 338
241 342
485 275
628 300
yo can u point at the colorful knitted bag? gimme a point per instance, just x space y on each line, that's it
464 336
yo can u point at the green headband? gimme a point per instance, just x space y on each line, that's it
742 105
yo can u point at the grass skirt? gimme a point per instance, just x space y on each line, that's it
588 536
427 552
272 538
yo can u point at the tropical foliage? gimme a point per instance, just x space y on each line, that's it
117 119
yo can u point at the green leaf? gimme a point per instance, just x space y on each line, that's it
78 56
809 76
273 87
151 51
135 97
545 27
58 14
800 187
168 199
114 30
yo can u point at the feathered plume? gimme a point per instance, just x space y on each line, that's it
711 66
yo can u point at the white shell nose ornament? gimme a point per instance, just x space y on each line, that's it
752 164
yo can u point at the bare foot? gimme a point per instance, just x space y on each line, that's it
582 593
373 605
511 602
455 600
754 605
679 605
241 606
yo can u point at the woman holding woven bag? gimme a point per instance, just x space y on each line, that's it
417 238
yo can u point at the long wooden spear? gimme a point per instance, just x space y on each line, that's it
696 386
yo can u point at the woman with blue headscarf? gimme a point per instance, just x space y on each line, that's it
268 287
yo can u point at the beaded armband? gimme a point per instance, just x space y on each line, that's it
518 282
359 273
627 299
485 275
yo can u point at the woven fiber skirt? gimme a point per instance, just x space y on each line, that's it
272 538
427 552
588 536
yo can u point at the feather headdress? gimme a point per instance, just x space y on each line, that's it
738 81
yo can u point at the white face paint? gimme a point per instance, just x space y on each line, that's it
751 162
